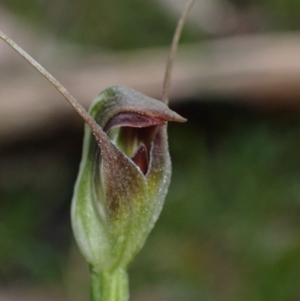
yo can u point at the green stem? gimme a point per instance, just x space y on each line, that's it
109 285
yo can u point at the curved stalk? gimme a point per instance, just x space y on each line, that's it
172 53
97 131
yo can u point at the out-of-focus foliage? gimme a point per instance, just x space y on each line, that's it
274 14
120 25
229 229
36 183
111 24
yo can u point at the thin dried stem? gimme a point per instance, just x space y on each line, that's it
172 53
95 128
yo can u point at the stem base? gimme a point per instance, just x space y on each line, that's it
109 285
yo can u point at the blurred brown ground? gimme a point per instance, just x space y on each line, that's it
262 70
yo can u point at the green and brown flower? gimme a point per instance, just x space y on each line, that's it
123 178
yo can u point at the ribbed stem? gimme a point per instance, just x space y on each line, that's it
109 285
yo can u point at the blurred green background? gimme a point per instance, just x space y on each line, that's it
230 226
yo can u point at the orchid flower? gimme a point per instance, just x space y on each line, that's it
123 180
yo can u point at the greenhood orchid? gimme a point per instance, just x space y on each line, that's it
123 179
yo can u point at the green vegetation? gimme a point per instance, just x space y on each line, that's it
229 229
110 24
272 14
231 219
